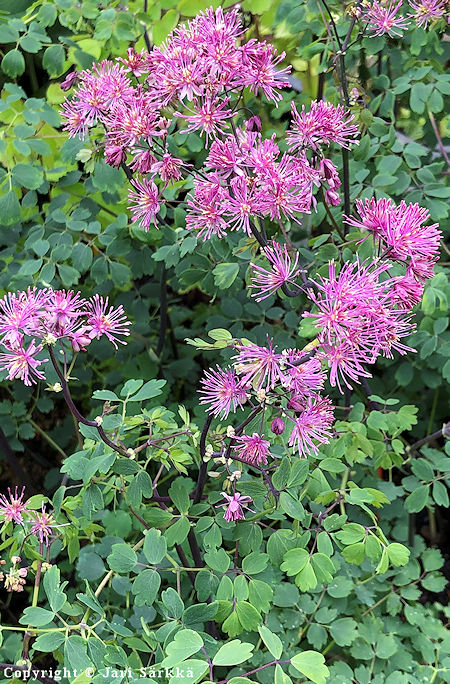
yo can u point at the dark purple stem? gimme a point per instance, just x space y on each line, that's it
75 412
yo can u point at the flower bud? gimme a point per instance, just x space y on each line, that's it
277 426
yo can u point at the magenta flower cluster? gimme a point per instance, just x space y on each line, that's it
361 312
14 510
32 319
288 382
383 17
197 78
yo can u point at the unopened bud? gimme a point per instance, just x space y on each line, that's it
277 426
230 431
49 339
57 387
131 453
209 450
237 474
261 394
15 560
98 420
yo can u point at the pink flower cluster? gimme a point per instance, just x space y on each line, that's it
288 382
197 78
248 179
32 319
14 509
383 17
193 78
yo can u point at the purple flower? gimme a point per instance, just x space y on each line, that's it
207 116
21 363
382 18
426 11
103 319
259 365
145 203
223 391
400 230
312 425
13 508
234 506
323 124
284 269
253 450
43 525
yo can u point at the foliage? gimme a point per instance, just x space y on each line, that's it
339 572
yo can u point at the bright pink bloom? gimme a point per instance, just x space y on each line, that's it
223 391
62 308
426 11
128 121
168 168
145 203
19 315
260 61
13 508
323 124
134 62
312 425
244 202
303 379
399 228
103 319
207 208
207 116
260 366
345 362
253 450
234 506
406 291
382 18
283 270
21 363
44 524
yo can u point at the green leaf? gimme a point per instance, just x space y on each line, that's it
191 672
122 558
13 63
9 208
186 643
398 554
202 612
294 561
51 582
440 494
272 641
36 617
151 389
53 60
49 641
248 616
162 28
233 653
28 176
145 587
225 275
255 563
344 631
311 665
155 546
417 500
